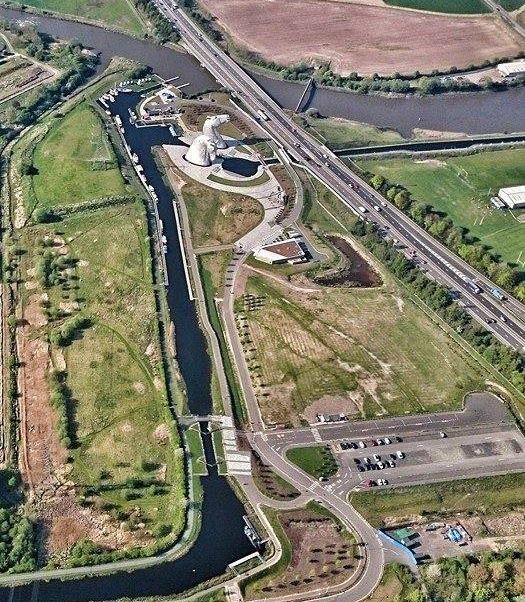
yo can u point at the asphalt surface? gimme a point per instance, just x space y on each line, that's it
504 319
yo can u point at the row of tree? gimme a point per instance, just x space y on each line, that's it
455 238
488 577
163 28
506 361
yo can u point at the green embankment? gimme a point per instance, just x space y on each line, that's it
486 495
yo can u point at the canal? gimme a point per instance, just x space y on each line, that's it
478 113
221 539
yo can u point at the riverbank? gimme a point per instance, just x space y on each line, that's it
490 112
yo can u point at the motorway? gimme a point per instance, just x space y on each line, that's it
504 319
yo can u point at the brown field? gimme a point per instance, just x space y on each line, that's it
358 37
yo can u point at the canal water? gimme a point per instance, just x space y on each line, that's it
221 539
479 113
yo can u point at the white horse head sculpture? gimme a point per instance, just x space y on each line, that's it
202 151
210 129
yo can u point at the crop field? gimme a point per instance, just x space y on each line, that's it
443 6
487 495
365 352
511 4
461 187
75 162
362 37
115 13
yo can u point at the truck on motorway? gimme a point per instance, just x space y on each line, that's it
473 287
263 115
498 293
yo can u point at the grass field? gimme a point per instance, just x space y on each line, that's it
486 495
341 133
316 461
114 370
76 162
443 6
461 187
511 4
365 352
397 585
115 13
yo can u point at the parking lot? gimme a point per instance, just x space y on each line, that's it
419 459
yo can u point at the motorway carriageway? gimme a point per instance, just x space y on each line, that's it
442 264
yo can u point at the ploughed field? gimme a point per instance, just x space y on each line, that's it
361 37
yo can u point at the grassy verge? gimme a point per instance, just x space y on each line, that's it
209 283
219 451
262 179
484 495
198 459
397 585
342 133
316 461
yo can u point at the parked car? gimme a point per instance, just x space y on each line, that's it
382 482
442 434
361 444
388 441
400 454
377 457
391 463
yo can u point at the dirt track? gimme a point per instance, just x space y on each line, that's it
359 37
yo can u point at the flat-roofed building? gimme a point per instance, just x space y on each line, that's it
286 251
512 69
513 197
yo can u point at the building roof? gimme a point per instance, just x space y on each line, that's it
403 533
285 250
512 68
514 196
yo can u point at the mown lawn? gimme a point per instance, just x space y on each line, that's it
461 187
114 370
317 461
486 495
443 6
115 13
75 162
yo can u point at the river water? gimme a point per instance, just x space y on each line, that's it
488 112
221 539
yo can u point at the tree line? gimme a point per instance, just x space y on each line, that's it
458 239
506 361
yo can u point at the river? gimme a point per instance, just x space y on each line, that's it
221 539
478 113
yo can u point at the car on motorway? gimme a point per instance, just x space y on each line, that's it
503 318
383 203
362 209
377 207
